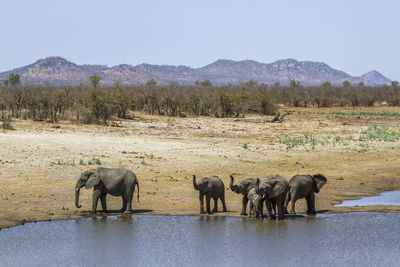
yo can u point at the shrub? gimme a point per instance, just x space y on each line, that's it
7 124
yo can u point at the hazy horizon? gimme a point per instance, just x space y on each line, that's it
355 37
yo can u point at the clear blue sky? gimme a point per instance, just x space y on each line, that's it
355 36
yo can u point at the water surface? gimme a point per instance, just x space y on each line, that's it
385 198
356 239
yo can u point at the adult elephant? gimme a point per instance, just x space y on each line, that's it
304 186
212 187
116 182
274 189
243 187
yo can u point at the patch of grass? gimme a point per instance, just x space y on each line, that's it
94 161
338 140
143 162
61 162
245 146
380 133
337 113
394 115
381 114
307 139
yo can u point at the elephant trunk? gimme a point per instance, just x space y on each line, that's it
195 185
231 183
77 189
137 184
316 189
257 187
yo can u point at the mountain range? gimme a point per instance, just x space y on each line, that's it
59 71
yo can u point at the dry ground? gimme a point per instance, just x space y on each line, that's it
39 163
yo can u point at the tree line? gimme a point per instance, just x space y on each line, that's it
96 103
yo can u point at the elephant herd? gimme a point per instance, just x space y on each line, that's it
275 191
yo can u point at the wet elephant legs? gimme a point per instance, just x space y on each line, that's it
311 204
208 204
244 205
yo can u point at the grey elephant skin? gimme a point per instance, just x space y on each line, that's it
275 189
256 203
210 187
116 182
304 186
243 187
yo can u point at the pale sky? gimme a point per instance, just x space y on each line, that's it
355 36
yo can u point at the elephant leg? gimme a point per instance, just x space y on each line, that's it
244 205
123 204
261 208
201 200
273 204
293 202
95 198
251 208
312 203
103 202
215 205
279 203
129 202
208 199
287 199
223 203
308 204
269 209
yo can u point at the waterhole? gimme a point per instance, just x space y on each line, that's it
356 239
385 198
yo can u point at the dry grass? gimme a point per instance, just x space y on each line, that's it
40 163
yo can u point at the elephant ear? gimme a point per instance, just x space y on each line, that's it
247 187
205 185
319 181
93 179
277 189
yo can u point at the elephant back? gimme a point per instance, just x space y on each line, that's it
249 183
214 182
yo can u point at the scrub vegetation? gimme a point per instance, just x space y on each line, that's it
98 104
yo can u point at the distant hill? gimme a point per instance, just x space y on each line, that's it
59 71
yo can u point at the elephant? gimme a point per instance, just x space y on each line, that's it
243 187
304 186
116 182
212 188
256 203
274 188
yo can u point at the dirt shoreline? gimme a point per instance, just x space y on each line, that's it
40 162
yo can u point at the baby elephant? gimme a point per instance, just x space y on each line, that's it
211 188
304 186
256 203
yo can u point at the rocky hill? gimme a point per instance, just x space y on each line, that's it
59 71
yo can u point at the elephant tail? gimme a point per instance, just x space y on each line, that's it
137 184
288 196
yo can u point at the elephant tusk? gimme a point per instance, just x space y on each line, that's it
77 189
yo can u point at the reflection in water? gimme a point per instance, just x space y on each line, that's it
385 198
363 239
